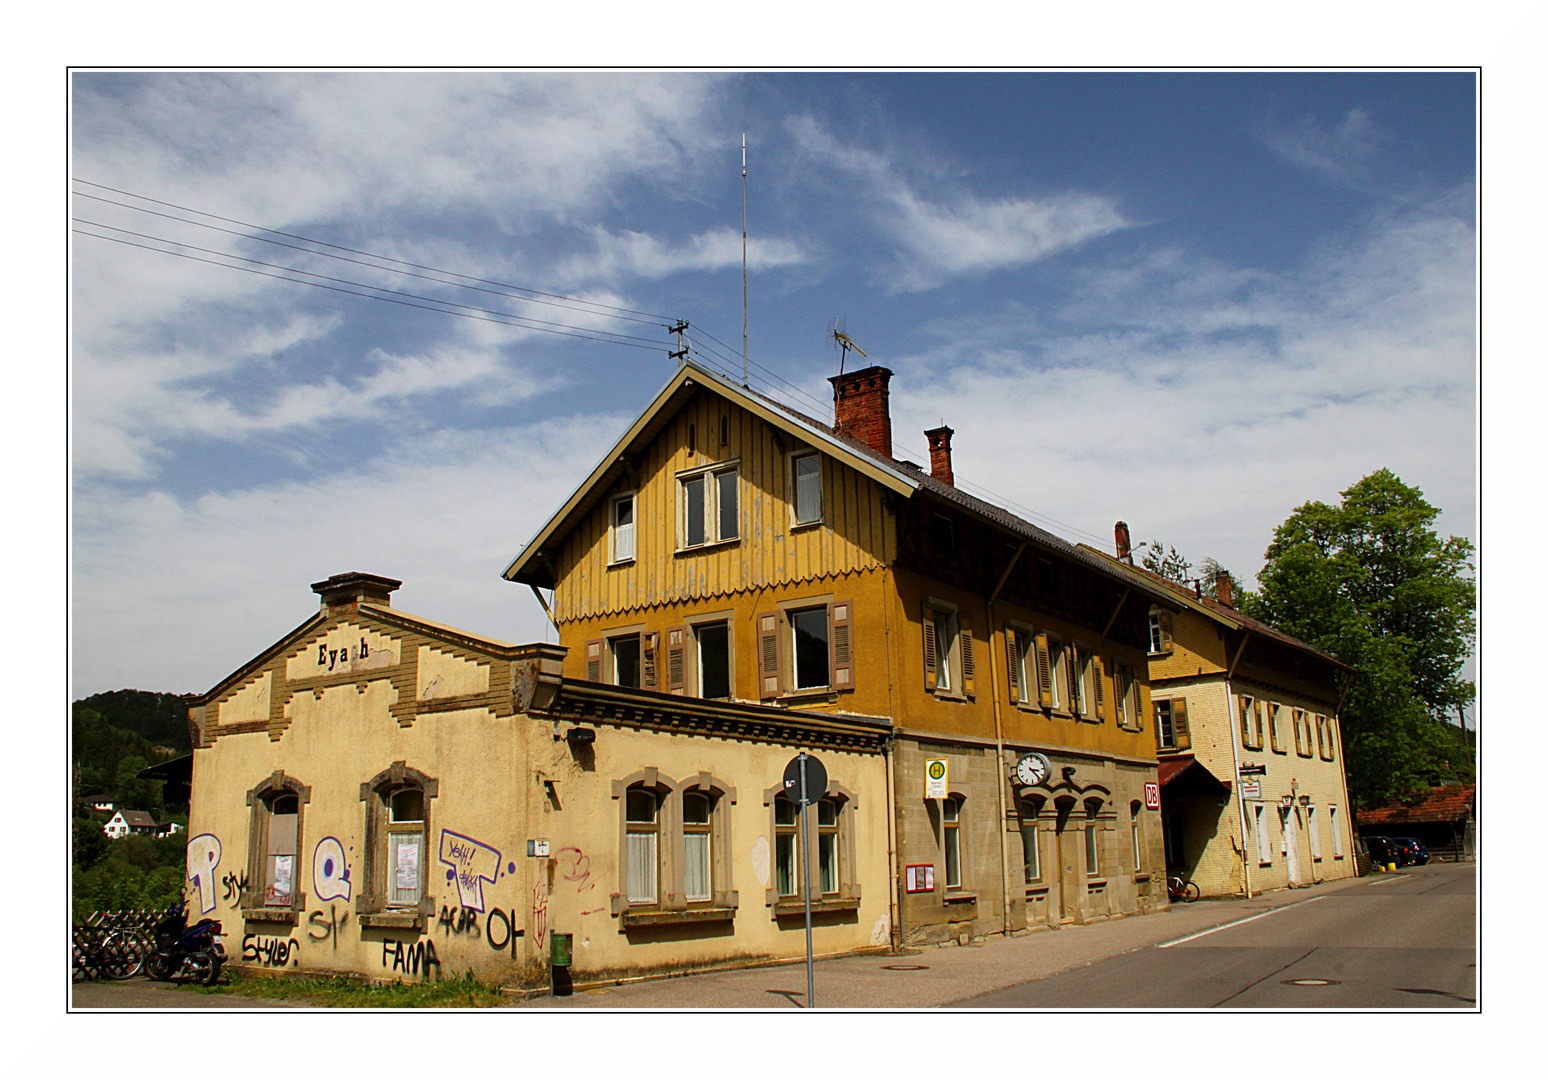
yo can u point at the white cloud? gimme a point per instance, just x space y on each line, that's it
1345 155
640 255
958 232
445 519
1219 402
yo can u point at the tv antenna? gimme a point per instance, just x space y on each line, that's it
843 340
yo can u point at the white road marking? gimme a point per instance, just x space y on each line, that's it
1238 922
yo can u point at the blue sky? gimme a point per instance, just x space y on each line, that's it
1192 301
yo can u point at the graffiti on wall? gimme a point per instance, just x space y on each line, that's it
270 951
330 870
326 925
203 858
233 885
539 914
503 924
472 863
411 958
575 865
458 921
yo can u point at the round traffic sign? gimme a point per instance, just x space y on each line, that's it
816 779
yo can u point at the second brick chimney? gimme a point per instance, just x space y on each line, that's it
861 410
940 454
1223 588
1121 542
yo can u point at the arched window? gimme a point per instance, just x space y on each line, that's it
951 840
831 833
1031 856
273 890
395 883
642 850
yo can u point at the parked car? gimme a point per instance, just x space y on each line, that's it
1410 851
1382 850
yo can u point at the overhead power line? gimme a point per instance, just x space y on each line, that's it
503 318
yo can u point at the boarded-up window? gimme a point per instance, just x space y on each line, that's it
280 859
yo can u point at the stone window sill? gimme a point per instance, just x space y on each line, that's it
672 918
271 915
393 920
833 903
809 696
959 897
1141 877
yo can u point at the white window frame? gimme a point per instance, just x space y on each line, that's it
1338 835
795 686
611 644
616 535
397 831
695 627
948 675
1314 833
1166 731
635 892
1084 705
711 476
951 840
795 460
1260 828
700 835
1123 693
1031 839
1026 642
1058 679
1093 845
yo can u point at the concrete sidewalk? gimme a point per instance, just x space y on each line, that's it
935 976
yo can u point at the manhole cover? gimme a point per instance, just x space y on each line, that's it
1309 982
905 967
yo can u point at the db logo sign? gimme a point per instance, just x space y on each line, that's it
1152 796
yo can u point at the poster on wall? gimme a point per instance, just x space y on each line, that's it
919 878
408 866
278 891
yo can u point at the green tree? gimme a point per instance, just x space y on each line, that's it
1370 581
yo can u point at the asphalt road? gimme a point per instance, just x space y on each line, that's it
1398 941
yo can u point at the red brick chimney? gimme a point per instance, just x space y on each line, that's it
1223 588
860 408
1121 542
940 454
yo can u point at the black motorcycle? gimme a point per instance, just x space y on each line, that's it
184 952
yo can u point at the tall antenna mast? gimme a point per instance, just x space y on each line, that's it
744 260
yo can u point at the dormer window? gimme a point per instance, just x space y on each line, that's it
806 483
623 528
710 506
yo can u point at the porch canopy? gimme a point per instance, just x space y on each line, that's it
1183 777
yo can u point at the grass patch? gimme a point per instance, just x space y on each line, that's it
339 993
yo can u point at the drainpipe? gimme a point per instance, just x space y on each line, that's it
1343 776
893 899
1236 764
999 739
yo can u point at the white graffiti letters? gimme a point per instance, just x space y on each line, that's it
472 864
330 873
203 858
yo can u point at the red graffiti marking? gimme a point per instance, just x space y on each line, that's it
579 872
539 914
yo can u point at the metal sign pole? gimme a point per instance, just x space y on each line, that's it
806 874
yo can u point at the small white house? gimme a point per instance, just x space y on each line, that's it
130 821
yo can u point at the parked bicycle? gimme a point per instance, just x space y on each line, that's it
1178 889
103 952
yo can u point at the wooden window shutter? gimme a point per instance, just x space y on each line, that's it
1134 688
650 643
965 642
1257 724
1166 631
841 620
1013 656
594 660
1274 728
677 644
1180 724
768 654
1096 682
1044 673
931 648
1072 676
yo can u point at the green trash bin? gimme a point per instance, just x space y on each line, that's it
559 955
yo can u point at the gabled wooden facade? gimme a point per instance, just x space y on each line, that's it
846 581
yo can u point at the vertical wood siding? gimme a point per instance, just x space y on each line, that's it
856 533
